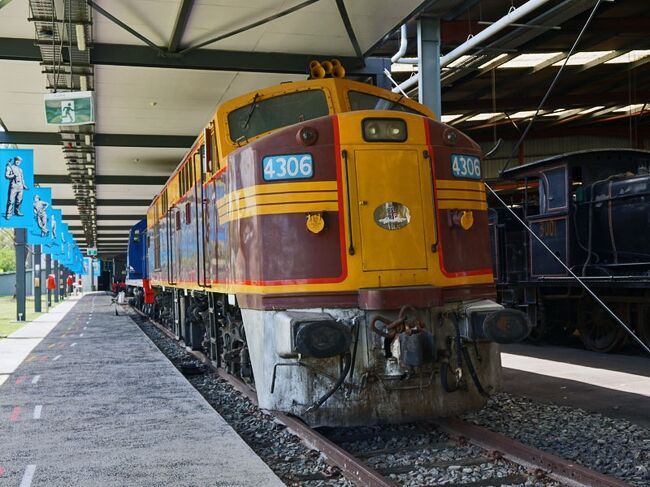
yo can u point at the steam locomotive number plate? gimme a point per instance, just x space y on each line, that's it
464 166
290 166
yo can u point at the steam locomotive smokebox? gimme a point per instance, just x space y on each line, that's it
311 335
619 211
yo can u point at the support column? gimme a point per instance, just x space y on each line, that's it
36 277
429 90
56 281
48 271
20 236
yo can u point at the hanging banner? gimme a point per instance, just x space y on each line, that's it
55 236
97 267
59 250
40 231
16 188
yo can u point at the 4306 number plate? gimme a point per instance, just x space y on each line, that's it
290 166
464 166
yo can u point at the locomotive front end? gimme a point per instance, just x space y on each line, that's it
394 319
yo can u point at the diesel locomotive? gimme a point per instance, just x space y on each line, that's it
591 209
328 240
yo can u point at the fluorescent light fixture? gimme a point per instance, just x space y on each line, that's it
87 139
591 110
523 114
89 157
493 60
80 30
556 113
90 171
460 61
630 57
529 60
449 118
483 116
580 58
631 108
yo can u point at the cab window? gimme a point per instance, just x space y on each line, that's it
365 101
261 116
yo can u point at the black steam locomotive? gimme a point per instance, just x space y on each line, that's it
592 209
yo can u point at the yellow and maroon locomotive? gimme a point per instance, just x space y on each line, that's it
328 240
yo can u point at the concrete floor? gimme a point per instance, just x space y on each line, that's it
96 404
617 386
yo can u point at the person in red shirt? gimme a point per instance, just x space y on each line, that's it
69 282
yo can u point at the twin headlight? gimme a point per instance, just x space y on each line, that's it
384 130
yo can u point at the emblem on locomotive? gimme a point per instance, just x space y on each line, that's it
392 215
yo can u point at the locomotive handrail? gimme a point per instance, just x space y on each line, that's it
573 275
344 155
434 245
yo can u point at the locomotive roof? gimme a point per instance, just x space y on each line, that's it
575 158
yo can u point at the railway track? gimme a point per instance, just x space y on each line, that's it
448 451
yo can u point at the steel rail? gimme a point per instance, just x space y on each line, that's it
552 466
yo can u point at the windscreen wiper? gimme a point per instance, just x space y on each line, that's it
250 112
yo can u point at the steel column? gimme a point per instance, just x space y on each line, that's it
429 91
20 236
36 277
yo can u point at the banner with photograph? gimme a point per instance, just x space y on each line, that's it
40 233
16 186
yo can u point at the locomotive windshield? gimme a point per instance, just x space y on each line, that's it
263 116
366 101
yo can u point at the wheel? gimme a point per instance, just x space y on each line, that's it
598 330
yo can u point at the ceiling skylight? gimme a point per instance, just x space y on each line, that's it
629 57
580 58
493 60
631 108
523 114
449 118
483 116
592 109
460 61
529 60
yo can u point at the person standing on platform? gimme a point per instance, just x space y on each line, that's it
69 282
17 185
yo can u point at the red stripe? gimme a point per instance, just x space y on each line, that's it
2 471
20 379
15 413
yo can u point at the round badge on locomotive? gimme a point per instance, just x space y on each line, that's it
392 215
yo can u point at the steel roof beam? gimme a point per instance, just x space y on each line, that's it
105 202
183 16
106 140
343 12
125 180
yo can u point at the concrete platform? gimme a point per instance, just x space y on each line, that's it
95 403
615 385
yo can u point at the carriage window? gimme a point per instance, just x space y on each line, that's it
553 190
280 111
178 220
156 246
366 101
188 213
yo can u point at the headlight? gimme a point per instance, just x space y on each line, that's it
384 130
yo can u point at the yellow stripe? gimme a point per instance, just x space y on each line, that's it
461 195
280 209
461 205
276 199
278 188
453 184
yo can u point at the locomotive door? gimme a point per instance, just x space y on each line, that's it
389 189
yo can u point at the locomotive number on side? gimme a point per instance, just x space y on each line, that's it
292 166
464 166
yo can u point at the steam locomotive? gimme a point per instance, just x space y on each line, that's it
328 240
591 209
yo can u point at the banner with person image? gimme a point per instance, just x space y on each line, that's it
40 233
54 244
16 188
